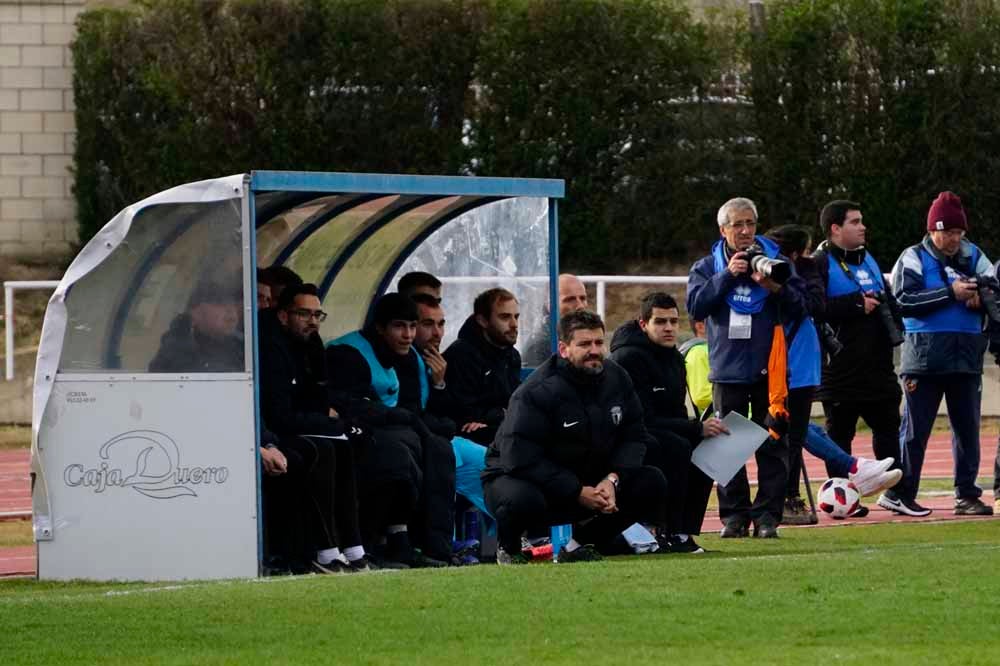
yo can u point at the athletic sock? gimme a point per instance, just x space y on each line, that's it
327 555
681 537
354 553
571 545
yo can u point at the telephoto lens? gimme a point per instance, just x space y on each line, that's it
776 269
888 321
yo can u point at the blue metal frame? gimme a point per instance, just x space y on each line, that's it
304 181
334 267
554 273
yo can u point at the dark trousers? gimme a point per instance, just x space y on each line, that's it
962 394
314 504
799 404
433 525
882 416
688 488
520 505
772 460
389 480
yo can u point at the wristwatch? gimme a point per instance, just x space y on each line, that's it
614 480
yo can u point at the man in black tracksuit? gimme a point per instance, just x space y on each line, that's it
860 380
647 349
571 449
484 368
376 377
317 445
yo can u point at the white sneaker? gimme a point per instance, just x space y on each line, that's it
873 476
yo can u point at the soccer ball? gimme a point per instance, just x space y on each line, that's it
838 498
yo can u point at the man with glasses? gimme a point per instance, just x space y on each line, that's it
315 444
943 317
741 308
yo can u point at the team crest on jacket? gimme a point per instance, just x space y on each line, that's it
616 415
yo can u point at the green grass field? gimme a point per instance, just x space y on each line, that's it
886 594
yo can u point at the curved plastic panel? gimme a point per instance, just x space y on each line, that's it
501 244
176 280
355 284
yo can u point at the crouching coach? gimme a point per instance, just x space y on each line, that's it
570 451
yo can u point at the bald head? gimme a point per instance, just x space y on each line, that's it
572 294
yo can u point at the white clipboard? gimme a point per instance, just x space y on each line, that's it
720 457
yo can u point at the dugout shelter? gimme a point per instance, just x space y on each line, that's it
145 474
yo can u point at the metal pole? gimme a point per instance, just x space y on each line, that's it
601 298
8 320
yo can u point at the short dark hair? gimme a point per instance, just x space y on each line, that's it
835 212
416 279
218 290
579 320
280 276
288 294
392 307
655 299
425 299
483 305
790 238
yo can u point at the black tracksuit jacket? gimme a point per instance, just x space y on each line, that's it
565 429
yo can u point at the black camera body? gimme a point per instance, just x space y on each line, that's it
987 288
884 312
776 269
829 340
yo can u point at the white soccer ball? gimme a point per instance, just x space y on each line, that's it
838 498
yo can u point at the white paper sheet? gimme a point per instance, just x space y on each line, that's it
722 456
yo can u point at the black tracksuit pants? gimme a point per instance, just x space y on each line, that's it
520 505
688 488
882 416
314 504
772 460
799 405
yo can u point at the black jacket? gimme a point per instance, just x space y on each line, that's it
293 391
182 349
565 430
350 389
660 380
480 376
864 369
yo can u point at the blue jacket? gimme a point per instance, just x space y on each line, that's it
739 361
942 335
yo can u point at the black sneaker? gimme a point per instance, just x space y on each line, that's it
735 529
361 565
860 512
332 567
585 553
421 561
673 544
903 507
972 506
765 529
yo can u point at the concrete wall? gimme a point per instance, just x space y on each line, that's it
37 130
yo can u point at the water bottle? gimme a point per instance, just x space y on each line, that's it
560 535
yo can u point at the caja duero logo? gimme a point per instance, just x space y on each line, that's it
146 461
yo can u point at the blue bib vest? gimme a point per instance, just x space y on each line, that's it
804 355
867 277
748 297
385 382
954 317
425 385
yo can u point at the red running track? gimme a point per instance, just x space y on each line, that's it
15 494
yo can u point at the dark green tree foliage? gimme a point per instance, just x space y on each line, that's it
885 102
184 90
645 111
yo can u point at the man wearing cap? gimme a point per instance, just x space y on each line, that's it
943 319
741 308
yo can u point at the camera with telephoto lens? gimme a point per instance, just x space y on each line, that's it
776 269
884 313
829 340
987 288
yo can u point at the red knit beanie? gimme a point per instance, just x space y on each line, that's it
946 213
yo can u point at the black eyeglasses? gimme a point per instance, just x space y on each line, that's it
318 315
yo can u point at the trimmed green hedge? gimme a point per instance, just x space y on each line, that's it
645 111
